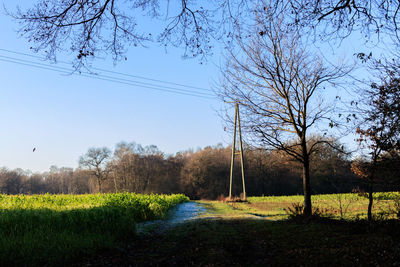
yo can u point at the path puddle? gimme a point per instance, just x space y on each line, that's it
182 213
186 211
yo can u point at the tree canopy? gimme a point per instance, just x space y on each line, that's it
89 28
92 28
278 84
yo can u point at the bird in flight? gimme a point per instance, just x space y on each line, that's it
34 149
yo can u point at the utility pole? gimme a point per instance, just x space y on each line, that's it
237 123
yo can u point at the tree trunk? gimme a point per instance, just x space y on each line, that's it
306 181
115 184
307 188
99 181
371 186
371 200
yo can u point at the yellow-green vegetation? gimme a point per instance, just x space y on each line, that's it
237 210
341 206
251 234
37 229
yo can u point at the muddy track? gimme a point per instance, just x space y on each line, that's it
180 214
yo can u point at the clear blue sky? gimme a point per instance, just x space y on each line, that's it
63 115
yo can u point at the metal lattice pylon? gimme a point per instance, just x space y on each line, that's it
237 123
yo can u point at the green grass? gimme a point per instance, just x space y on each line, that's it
261 242
340 206
46 229
257 234
249 242
100 230
221 210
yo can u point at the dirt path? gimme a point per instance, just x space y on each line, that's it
186 211
190 211
240 237
182 213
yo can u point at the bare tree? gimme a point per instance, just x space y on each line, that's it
11 182
340 18
81 181
91 28
279 86
205 173
88 28
95 160
34 184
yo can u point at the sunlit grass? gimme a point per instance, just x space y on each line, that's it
347 206
43 229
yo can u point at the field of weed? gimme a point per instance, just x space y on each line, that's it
347 206
43 229
240 234
100 230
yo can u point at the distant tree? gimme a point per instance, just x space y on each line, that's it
278 85
121 165
152 166
141 169
81 181
52 180
11 182
34 184
256 163
271 172
59 180
95 160
330 168
67 179
205 173
380 130
169 181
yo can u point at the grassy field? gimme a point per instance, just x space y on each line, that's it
99 230
260 233
43 229
337 206
249 242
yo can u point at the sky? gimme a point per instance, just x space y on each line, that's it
63 115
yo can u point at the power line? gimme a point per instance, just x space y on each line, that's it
107 78
88 74
114 72
32 65
103 79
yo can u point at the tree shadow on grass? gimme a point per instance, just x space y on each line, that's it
47 237
249 242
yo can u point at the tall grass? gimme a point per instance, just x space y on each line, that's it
352 196
343 206
47 229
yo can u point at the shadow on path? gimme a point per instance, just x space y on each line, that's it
185 239
185 211
181 213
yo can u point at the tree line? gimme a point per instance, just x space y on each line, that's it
271 70
199 174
